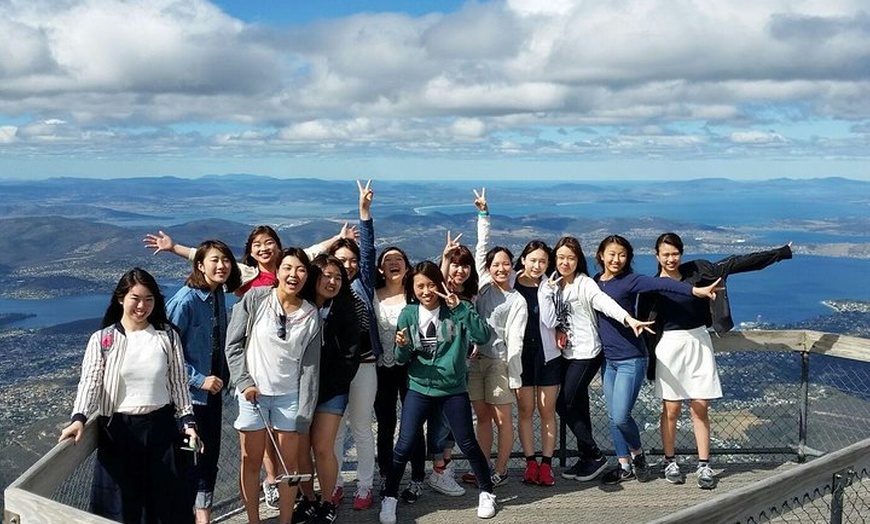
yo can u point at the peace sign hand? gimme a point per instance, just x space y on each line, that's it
450 298
554 279
480 200
452 243
366 194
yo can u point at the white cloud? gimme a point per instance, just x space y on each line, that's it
117 74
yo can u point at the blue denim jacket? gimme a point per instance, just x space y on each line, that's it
192 311
363 285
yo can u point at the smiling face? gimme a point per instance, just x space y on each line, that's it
292 274
215 267
349 260
329 283
535 263
137 305
500 269
457 274
566 262
264 249
393 266
613 259
426 291
669 257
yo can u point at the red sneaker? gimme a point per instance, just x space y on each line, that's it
337 495
531 474
545 475
362 500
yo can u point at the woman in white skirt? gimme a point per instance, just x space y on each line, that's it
685 368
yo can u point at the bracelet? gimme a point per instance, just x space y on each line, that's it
483 213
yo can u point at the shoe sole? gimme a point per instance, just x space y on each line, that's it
592 476
448 493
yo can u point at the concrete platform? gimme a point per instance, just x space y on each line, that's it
566 502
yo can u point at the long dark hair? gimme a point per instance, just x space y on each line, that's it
672 239
247 259
534 245
196 279
574 245
350 244
342 322
461 256
381 279
428 269
620 241
115 310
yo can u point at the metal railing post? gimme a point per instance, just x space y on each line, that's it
804 407
842 480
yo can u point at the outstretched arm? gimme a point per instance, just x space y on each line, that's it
161 242
482 236
323 246
751 262
367 271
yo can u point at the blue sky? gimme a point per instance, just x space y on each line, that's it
625 89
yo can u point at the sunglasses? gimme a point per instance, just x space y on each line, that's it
282 326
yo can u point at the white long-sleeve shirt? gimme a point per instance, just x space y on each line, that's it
581 298
506 312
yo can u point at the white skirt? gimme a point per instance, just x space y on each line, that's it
686 367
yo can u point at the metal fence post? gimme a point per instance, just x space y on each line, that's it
842 480
804 407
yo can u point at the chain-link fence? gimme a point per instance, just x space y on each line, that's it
777 405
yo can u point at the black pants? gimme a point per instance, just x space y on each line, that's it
136 476
204 472
392 386
572 403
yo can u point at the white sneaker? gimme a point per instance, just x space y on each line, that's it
445 483
270 492
486 505
388 510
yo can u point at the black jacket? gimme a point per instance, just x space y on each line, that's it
703 273
339 356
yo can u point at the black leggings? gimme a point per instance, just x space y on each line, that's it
573 402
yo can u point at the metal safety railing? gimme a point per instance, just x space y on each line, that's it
789 395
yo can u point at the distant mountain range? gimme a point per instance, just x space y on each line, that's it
72 235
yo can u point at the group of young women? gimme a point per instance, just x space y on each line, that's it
322 338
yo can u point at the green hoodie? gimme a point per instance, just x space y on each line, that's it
444 372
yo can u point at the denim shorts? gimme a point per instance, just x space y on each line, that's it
279 410
336 405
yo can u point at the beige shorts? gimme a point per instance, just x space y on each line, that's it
488 380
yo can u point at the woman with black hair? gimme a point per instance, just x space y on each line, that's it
134 379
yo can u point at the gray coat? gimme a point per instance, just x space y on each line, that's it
240 327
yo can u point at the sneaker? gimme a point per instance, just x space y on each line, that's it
337 495
545 475
326 514
641 469
305 511
572 472
530 476
673 473
499 479
270 493
705 477
486 505
445 483
362 499
388 510
589 469
617 475
469 478
412 492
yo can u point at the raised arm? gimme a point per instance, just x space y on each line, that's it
163 243
449 246
482 236
368 271
323 246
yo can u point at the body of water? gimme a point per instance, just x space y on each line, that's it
786 292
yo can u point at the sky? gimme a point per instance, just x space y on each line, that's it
513 89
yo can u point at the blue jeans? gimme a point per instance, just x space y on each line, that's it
415 410
622 382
